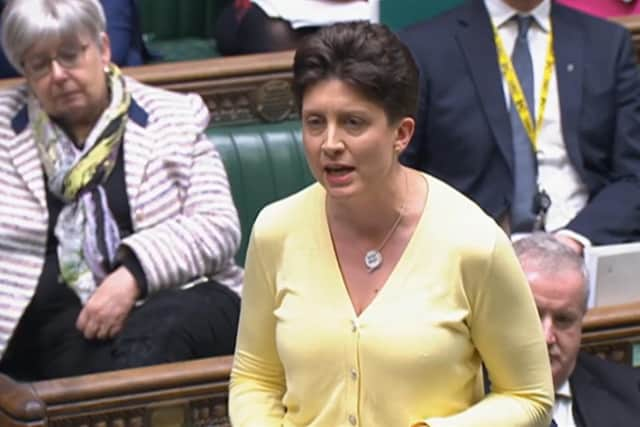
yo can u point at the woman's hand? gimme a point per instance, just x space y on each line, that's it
103 316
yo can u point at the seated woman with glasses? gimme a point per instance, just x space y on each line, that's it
125 35
113 199
373 297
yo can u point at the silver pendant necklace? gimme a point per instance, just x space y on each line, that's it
373 258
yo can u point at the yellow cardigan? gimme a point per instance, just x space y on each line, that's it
457 297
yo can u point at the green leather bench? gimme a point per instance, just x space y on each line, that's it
398 14
265 163
180 30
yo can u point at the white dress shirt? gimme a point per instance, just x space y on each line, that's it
315 13
556 174
563 407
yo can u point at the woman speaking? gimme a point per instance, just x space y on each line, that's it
374 296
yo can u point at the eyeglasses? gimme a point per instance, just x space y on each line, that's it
67 57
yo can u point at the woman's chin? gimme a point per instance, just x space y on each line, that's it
72 112
339 191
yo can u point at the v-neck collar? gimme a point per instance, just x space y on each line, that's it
398 273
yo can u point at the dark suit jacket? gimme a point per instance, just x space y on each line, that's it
463 133
125 33
123 27
604 393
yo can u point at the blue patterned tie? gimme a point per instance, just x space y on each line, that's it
553 424
522 212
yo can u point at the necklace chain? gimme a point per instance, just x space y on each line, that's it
373 258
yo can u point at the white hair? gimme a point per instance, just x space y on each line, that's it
25 22
552 256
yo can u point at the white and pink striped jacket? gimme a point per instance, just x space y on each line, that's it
185 223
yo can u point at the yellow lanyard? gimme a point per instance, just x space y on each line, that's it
517 95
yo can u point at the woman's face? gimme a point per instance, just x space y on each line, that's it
68 78
350 144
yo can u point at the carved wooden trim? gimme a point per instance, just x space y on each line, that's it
209 413
611 317
613 332
237 89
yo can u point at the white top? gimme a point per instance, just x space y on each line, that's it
314 13
556 174
563 407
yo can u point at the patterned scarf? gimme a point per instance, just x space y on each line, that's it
86 231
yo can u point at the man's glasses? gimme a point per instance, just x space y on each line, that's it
67 57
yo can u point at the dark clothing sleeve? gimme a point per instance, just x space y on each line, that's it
124 32
131 263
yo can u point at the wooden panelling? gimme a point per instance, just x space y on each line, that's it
614 333
237 90
192 393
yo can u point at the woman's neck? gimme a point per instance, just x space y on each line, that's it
372 213
79 129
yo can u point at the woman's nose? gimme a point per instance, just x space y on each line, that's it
57 72
333 140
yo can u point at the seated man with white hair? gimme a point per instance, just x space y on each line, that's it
589 392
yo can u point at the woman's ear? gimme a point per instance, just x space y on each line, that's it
404 131
105 49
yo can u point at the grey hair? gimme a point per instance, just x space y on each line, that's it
25 22
550 255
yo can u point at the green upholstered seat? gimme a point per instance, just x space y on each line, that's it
398 14
265 163
184 49
180 30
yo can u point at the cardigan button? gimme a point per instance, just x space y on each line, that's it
352 419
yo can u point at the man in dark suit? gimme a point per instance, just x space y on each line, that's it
584 108
590 392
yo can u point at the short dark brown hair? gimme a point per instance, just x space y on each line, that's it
368 57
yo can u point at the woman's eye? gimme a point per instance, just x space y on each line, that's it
313 122
354 123
37 64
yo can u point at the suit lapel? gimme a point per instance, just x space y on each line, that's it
476 41
568 45
587 399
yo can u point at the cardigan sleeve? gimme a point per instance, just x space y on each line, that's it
257 378
506 331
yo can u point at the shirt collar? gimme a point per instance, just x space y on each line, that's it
564 390
135 113
501 13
